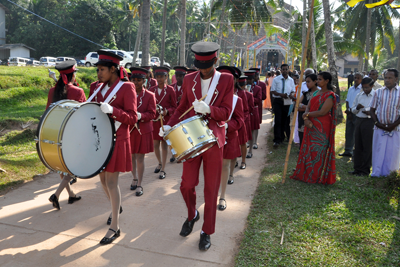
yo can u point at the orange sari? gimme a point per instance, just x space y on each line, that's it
267 101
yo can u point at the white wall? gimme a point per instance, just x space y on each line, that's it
2 26
20 52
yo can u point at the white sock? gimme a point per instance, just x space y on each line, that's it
195 215
202 232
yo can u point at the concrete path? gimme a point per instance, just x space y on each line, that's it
33 233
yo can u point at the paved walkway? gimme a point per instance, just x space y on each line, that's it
33 233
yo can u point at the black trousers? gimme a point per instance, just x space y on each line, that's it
281 120
362 155
349 84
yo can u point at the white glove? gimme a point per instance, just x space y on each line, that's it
106 108
166 129
139 115
201 107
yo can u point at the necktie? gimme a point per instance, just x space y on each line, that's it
283 85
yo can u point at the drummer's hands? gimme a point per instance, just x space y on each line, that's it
201 107
106 108
166 129
139 115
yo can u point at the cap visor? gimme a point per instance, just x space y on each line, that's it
203 65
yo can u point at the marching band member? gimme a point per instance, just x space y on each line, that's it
250 105
255 121
142 132
65 89
150 80
118 99
243 131
166 105
263 86
232 147
216 107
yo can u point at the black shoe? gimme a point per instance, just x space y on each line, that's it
162 175
73 199
110 219
276 144
109 240
243 166
138 194
222 207
73 180
158 168
345 154
205 242
236 164
53 199
249 156
255 146
172 159
187 226
230 180
133 187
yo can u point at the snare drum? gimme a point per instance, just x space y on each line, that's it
190 138
75 138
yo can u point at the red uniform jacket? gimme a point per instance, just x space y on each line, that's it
236 121
250 101
124 106
166 99
73 93
256 90
152 82
93 87
146 106
220 104
177 93
243 96
263 86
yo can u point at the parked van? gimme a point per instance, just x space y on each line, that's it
34 63
61 59
17 61
48 61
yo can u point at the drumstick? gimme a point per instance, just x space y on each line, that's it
189 109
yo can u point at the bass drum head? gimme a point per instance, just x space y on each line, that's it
88 141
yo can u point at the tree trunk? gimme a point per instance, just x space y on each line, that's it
304 30
164 26
331 51
368 38
313 45
398 52
233 50
138 37
183 34
221 29
146 33
360 62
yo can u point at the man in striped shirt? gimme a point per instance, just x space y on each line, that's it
385 111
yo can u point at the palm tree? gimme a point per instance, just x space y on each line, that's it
146 33
182 60
164 22
138 36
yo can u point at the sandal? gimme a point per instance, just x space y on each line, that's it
249 155
138 194
158 168
110 219
109 240
221 207
133 187
162 175
243 166
255 146
72 199
230 181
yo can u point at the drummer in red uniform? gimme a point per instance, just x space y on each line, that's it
118 99
150 79
216 107
255 120
232 147
142 132
65 89
248 105
263 86
166 105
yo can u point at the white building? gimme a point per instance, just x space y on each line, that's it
10 50
346 63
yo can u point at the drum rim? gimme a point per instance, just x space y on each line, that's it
39 128
199 145
195 117
113 141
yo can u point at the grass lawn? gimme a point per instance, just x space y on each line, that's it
346 224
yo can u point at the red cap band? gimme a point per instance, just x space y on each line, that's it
242 80
108 58
225 71
160 71
180 70
205 58
249 74
138 72
67 71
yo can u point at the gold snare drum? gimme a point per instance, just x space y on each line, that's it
190 138
75 138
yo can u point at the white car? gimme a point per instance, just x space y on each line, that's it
128 59
156 61
91 58
61 59
47 61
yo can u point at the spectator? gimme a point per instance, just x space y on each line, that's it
350 80
374 75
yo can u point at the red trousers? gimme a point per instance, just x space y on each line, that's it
212 167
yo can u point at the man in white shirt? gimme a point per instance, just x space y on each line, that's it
351 120
374 75
364 130
282 89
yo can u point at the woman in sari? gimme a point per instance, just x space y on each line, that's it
316 163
